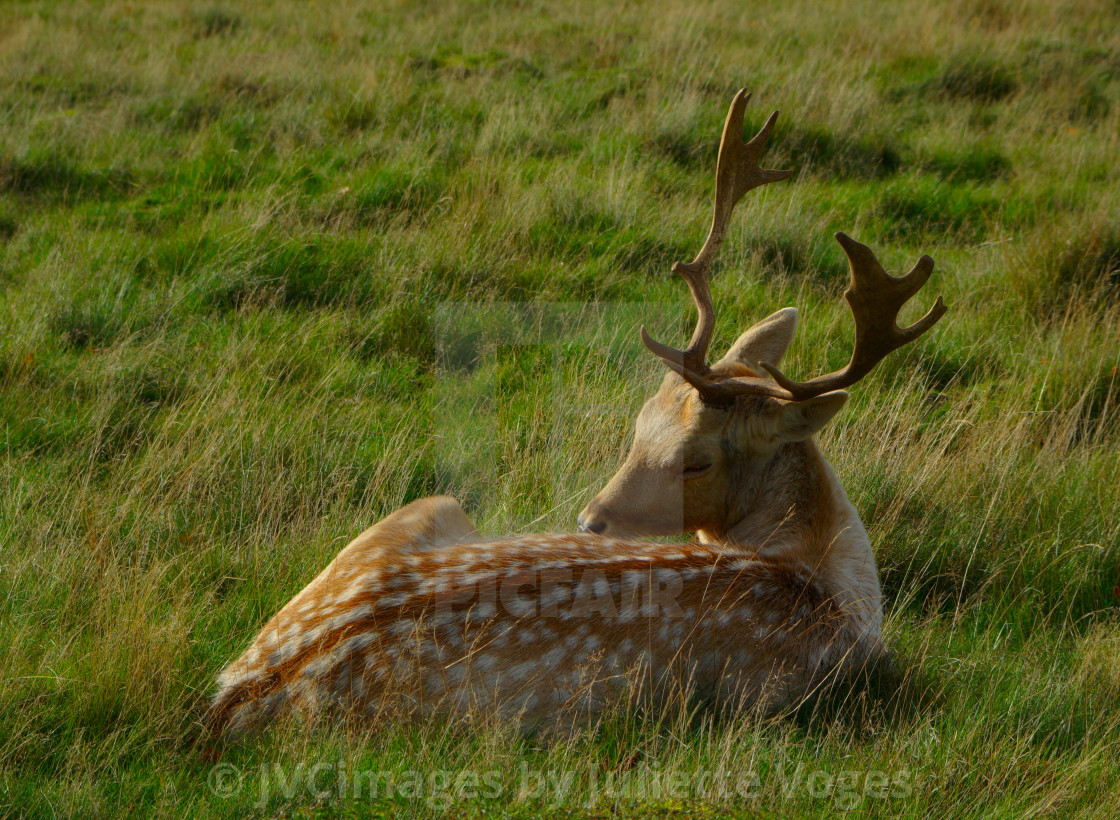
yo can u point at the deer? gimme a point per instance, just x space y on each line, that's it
420 616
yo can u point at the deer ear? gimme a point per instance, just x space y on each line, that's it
765 342
800 419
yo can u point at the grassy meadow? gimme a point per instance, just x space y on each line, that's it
270 270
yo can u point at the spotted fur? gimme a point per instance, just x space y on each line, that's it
529 626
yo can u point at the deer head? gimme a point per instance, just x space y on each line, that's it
709 442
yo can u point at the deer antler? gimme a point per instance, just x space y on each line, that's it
737 171
875 298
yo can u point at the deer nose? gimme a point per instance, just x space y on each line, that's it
594 526
593 518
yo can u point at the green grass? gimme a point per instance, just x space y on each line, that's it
259 267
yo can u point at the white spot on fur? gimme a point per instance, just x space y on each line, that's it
482 612
633 579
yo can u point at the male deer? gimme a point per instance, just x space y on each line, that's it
421 614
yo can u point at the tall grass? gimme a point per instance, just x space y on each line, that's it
254 264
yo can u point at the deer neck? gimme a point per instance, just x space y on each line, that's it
793 508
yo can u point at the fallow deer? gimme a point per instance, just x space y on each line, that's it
420 613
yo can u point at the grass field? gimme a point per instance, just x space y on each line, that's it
255 262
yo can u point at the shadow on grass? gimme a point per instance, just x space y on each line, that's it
1089 265
214 21
821 151
890 690
971 78
47 175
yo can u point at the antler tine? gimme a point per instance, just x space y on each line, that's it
737 171
875 298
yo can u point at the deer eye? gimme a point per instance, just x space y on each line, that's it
695 471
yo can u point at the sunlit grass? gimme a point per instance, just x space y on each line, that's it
250 256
